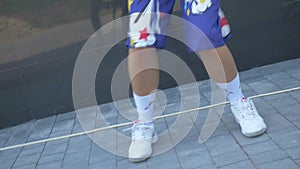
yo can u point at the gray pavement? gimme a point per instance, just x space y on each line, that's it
278 148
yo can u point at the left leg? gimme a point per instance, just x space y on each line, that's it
221 67
219 62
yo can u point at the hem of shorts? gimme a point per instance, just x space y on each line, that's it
150 46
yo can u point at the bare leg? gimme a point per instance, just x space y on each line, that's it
219 64
143 70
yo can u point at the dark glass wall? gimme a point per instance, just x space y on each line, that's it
40 41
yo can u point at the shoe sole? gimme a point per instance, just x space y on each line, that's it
257 133
136 160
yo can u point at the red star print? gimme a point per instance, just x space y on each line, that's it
161 15
144 34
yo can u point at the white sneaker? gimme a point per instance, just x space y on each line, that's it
252 124
143 135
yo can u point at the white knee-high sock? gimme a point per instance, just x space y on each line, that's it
233 89
144 106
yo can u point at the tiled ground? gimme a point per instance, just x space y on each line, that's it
278 148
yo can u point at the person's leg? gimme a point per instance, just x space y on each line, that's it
143 70
221 67
222 61
144 76
220 64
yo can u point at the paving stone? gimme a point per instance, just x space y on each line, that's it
201 117
56 164
30 166
244 86
51 158
32 149
208 167
190 141
268 156
172 108
230 158
263 86
39 134
105 164
242 164
109 113
60 141
263 108
251 75
160 126
230 123
107 107
280 100
59 133
260 147
298 162
55 148
207 94
294 153
99 155
291 112
267 70
63 125
181 120
77 128
76 160
220 130
125 163
284 163
297 123
65 116
277 122
80 143
295 73
283 80
121 119
5 135
287 138
165 160
192 102
44 123
222 145
21 134
8 157
227 114
243 140
172 95
295 94
194 159
288 64
27 159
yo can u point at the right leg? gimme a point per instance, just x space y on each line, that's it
144 76
144 38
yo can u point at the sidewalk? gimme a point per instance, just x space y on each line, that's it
279 148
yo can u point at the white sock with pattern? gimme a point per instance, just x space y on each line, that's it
144 106
233 89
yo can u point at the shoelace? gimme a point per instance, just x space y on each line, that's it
247 111
140 131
